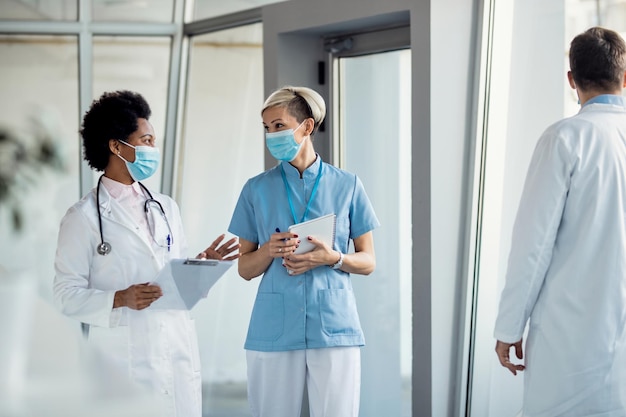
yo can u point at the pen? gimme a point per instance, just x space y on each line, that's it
278 231
169 240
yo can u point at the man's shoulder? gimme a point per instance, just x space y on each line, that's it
576 123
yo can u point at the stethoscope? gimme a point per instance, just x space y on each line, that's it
104 248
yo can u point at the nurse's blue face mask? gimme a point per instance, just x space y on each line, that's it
282 144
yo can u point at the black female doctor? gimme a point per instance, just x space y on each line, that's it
114 241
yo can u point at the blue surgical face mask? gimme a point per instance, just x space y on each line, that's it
146 161
282 144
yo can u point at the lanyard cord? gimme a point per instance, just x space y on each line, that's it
308 204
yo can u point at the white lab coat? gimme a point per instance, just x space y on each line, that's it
157 349
567 269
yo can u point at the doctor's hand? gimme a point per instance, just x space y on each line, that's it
502 350
138 296
322 255
221 252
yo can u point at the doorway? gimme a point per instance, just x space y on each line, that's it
372 138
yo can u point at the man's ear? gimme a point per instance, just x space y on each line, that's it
570 78
624 85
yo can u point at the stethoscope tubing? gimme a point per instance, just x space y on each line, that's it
104 248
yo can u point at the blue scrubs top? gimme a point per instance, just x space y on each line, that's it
316 309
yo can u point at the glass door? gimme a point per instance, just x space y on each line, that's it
513 120
372 138
220 149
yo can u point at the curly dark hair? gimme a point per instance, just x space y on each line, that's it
113 116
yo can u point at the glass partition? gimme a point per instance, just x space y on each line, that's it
204 9
527 92
221 147
35 113
39 10
133 11
375 125
139 64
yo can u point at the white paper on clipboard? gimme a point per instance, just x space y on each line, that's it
185 281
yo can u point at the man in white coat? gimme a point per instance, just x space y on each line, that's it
113 242
567 267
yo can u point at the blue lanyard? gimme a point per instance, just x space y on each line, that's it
308 204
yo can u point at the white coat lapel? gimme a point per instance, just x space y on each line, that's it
113 211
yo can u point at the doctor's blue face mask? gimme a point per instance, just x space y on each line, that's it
146 161
282 144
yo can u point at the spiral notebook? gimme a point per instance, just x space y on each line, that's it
322 228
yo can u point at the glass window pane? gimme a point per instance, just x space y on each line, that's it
139 64
204 9
375 103
38 10
135 11
221 148
515 120
32 109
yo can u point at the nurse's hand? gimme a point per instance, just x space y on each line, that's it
502 350
282 244
221 252
300 263
138 296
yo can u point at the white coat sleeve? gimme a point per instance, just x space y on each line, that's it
72 293
534 234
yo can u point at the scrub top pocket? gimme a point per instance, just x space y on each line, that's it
338 312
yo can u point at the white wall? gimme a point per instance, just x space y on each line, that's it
452 61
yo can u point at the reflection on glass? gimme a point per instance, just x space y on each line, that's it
138 64
209 8
222 146
38 10
134 11
375 108
32 105
582 14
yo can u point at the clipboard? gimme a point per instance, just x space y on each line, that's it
322 228
185 281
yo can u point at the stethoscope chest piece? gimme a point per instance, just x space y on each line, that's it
104 248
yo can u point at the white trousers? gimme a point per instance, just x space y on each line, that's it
333 377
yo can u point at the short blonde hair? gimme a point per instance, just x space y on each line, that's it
301 103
